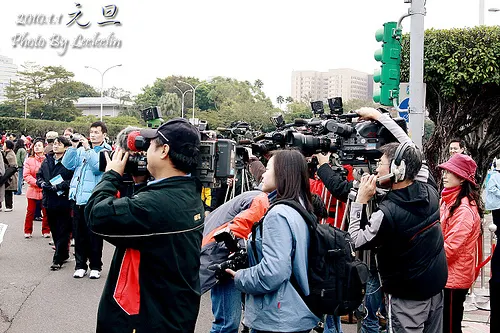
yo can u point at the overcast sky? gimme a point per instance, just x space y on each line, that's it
246 40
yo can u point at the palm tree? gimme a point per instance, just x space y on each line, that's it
280 100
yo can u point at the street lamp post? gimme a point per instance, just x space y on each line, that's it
102 81
25 106
182 99
194 92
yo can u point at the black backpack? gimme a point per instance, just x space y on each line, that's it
337 280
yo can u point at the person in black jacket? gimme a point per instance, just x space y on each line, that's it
153 283
406 232
54 179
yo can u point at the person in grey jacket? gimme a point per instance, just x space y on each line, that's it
281 246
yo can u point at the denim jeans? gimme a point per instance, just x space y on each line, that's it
20 182
226 307
373 301
332 324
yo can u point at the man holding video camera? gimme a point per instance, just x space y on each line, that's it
153 283
83 160
404 231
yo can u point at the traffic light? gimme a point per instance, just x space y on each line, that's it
390 56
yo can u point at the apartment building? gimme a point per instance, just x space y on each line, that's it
8 72
345 82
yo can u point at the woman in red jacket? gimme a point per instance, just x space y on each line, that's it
461 208
34 193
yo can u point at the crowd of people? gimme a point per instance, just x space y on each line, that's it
420 241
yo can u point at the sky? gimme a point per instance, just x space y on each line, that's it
245 40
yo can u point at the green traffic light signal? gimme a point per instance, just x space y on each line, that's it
390 56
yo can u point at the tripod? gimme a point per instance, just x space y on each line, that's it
246 181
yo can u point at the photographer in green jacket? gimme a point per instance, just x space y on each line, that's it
153 283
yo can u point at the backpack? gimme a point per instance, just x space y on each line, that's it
337 279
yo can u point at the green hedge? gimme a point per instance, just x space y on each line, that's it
38 128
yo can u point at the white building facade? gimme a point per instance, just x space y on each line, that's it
111 107
347 83
8 73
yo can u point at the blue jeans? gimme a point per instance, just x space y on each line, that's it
226 307
20 182
332 324
373 301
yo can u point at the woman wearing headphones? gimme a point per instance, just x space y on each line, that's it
279 250
461 211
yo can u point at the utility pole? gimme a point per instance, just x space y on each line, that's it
417 103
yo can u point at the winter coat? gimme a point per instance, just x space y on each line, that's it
31 167
493 192
408 238
54 197
239 214
461 232
153 282
21 157
272 303
12 162
85 164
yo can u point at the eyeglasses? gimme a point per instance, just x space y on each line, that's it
379 164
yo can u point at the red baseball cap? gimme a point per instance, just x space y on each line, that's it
462 166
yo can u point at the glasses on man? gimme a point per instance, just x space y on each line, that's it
379 164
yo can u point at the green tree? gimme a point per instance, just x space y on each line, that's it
297 110
354 104
118 93
462 73
289 99
170 105
280 100
258 83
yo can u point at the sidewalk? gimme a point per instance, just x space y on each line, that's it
477 321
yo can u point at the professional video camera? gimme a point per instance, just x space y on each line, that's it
274 140
217 162
354 142
129 139
152 116
238 257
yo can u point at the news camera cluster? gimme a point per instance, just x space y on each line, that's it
354 142
226 150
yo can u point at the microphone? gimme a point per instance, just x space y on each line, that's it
383 178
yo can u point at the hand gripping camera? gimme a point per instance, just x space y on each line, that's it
238 257
130 140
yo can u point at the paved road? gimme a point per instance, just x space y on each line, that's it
35 299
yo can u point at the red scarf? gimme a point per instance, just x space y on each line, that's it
449 195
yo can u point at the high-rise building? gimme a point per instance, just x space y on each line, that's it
8 73
344 82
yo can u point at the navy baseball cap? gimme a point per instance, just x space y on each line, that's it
179 134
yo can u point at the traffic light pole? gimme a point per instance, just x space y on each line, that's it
417 103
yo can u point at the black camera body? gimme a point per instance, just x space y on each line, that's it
217 162
238 257
354 142
136 145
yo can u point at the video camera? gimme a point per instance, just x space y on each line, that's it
130 140
354 142
152 116
217 162
274 140
238 257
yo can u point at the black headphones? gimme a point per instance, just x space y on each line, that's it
398 164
